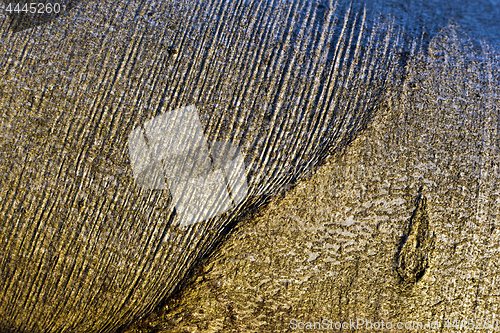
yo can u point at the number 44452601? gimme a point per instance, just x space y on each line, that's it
33 8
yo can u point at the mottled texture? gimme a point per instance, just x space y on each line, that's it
330 248
82 248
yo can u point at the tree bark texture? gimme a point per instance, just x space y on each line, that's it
85 249
402 227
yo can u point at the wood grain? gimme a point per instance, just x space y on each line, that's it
85 250
329 249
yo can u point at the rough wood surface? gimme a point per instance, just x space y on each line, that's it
83 249
353 242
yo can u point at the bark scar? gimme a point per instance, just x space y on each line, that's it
414 254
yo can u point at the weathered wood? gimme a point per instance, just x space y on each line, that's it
331 249
83 248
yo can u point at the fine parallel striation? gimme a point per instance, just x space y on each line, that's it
84 249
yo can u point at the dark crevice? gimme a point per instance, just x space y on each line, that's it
414 251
